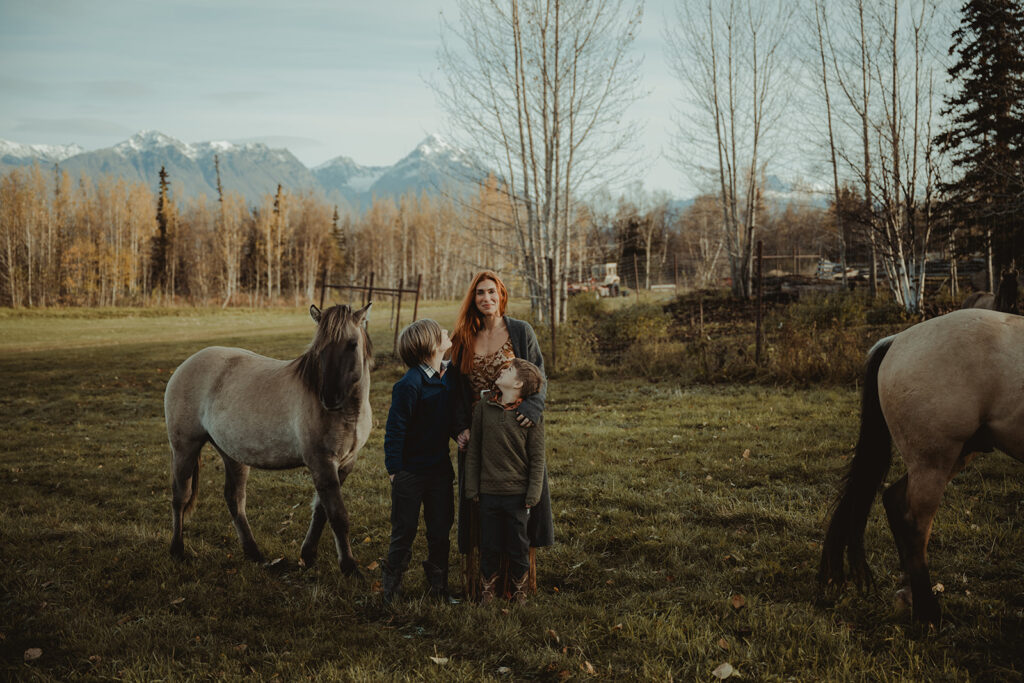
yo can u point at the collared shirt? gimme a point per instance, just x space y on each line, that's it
430 372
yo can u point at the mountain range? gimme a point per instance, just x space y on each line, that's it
254 170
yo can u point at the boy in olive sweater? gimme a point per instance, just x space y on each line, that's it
505 473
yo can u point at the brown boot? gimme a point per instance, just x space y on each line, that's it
487 588
519 588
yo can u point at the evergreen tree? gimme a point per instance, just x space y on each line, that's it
985 134
160 242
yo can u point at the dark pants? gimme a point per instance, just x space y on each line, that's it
503 530
432 490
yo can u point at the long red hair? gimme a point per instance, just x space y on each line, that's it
471 321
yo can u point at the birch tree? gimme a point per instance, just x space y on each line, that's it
538 89
728 55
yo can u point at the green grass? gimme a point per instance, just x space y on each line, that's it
660 520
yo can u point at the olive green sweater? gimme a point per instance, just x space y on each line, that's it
503 457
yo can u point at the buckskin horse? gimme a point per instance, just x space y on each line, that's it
943 391
274 414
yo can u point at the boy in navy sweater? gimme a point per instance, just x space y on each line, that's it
417 458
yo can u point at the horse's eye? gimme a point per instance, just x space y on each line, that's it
352 345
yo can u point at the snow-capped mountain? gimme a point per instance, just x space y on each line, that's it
255 170
433 167
17 154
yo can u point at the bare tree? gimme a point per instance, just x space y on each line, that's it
538 89
728 56
884 142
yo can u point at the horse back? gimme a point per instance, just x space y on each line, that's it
945 379
252 407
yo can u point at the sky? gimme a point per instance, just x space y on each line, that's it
322 78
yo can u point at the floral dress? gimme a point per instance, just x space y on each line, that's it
487 368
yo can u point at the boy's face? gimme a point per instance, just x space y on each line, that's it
508 379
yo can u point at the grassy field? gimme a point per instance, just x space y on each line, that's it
688 523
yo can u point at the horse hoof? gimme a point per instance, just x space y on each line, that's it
307 560
927 613
353 571
255 556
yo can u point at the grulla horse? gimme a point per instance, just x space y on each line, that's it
943 390
274 414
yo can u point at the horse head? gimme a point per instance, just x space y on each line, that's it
339 357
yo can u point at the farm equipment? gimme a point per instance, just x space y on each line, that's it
604 281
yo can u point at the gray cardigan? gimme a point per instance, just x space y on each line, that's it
525 346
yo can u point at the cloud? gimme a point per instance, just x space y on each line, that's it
71 127
235 96
118 89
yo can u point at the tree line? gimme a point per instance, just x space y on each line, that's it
66 241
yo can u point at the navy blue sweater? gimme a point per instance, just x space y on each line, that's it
420 422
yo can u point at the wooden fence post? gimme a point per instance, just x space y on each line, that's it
398 315
416 305
551 281
760 261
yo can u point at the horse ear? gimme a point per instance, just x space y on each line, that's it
315 314
362 313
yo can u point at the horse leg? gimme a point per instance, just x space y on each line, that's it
895 501
923 492
235 476
316 527
185 462
328 490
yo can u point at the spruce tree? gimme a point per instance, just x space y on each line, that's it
158 253
985 134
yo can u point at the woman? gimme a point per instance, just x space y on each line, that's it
484 342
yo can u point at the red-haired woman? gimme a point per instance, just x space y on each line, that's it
484 342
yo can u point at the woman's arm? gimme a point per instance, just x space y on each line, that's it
473 454
535 451
526 346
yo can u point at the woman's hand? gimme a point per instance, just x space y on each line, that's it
523 420
462 439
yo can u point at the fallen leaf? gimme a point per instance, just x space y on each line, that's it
723 643
124 620
33 653
707 478
588 667
177 601
439 660
738 602
617 627
938 588
552 635
563 674
241 647
504 670
723 671
367 539
746 454
373 565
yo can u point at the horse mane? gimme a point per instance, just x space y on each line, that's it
330 330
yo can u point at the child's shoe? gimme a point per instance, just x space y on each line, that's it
487 588
519 588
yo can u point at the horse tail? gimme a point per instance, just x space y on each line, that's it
193 497
868 469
